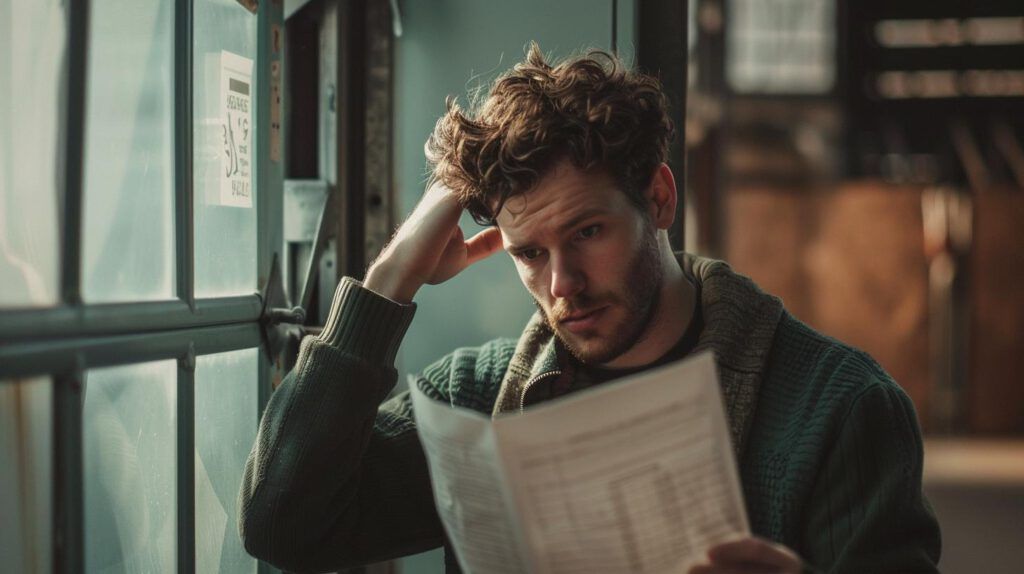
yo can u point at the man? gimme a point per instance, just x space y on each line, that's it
567 165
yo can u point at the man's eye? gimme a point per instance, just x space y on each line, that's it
529 254
588 231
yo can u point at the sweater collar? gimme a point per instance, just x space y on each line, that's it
739 325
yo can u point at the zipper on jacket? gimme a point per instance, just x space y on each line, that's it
526 387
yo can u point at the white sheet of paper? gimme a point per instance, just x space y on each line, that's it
636 475
467 480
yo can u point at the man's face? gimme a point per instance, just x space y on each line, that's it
589 258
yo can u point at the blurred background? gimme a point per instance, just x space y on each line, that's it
862 160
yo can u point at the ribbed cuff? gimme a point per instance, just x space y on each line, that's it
366 324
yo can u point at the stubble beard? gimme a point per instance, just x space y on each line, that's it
637 293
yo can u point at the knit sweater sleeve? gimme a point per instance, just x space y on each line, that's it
335 479
867 513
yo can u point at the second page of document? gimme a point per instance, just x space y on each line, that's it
635 476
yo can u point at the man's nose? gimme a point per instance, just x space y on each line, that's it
567 280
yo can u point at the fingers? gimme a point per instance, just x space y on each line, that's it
755 551
483 245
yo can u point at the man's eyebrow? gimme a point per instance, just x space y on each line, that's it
513 249
582 216
572 222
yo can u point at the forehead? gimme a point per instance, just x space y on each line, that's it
563 194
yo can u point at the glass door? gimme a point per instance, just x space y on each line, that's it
140 194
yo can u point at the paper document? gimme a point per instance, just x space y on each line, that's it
636 475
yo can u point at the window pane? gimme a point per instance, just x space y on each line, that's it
32 38
26 449
227 408
224 138
781 46
129 437
129 152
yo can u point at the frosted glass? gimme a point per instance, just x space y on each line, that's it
26 447
129 453
128 230
227 409
32 38
224 139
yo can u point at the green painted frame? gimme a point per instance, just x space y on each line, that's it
64 341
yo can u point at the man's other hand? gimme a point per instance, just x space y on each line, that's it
428 248
749 555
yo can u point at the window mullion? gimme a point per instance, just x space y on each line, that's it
186 463
72 151
269 166
184 229
68 496
269 171
29 358
68 531
124 318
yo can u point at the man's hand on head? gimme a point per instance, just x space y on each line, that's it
428 248
749 555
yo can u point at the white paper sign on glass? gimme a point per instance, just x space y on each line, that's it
637 475
236 123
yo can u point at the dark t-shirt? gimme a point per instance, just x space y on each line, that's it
578 375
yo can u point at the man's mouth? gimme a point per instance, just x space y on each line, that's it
582 320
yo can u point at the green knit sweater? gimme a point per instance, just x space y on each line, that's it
828 445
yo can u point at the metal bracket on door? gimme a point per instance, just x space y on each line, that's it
325 229
280 323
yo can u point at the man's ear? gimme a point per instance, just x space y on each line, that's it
661 197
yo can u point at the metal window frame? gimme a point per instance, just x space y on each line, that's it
123 318
66 340
71 146
184 228
68 517
834 91
186 466
92 352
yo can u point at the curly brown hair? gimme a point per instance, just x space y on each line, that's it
590 109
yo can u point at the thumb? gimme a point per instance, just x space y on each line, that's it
483 245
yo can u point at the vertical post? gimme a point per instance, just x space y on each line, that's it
379 211
662 52
270 147
615 27
351 134
186 463
329 107
73 129
68 522
265 373
707 172
271 156
68 528
183 181
947 215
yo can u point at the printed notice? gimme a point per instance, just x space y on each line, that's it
236 125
